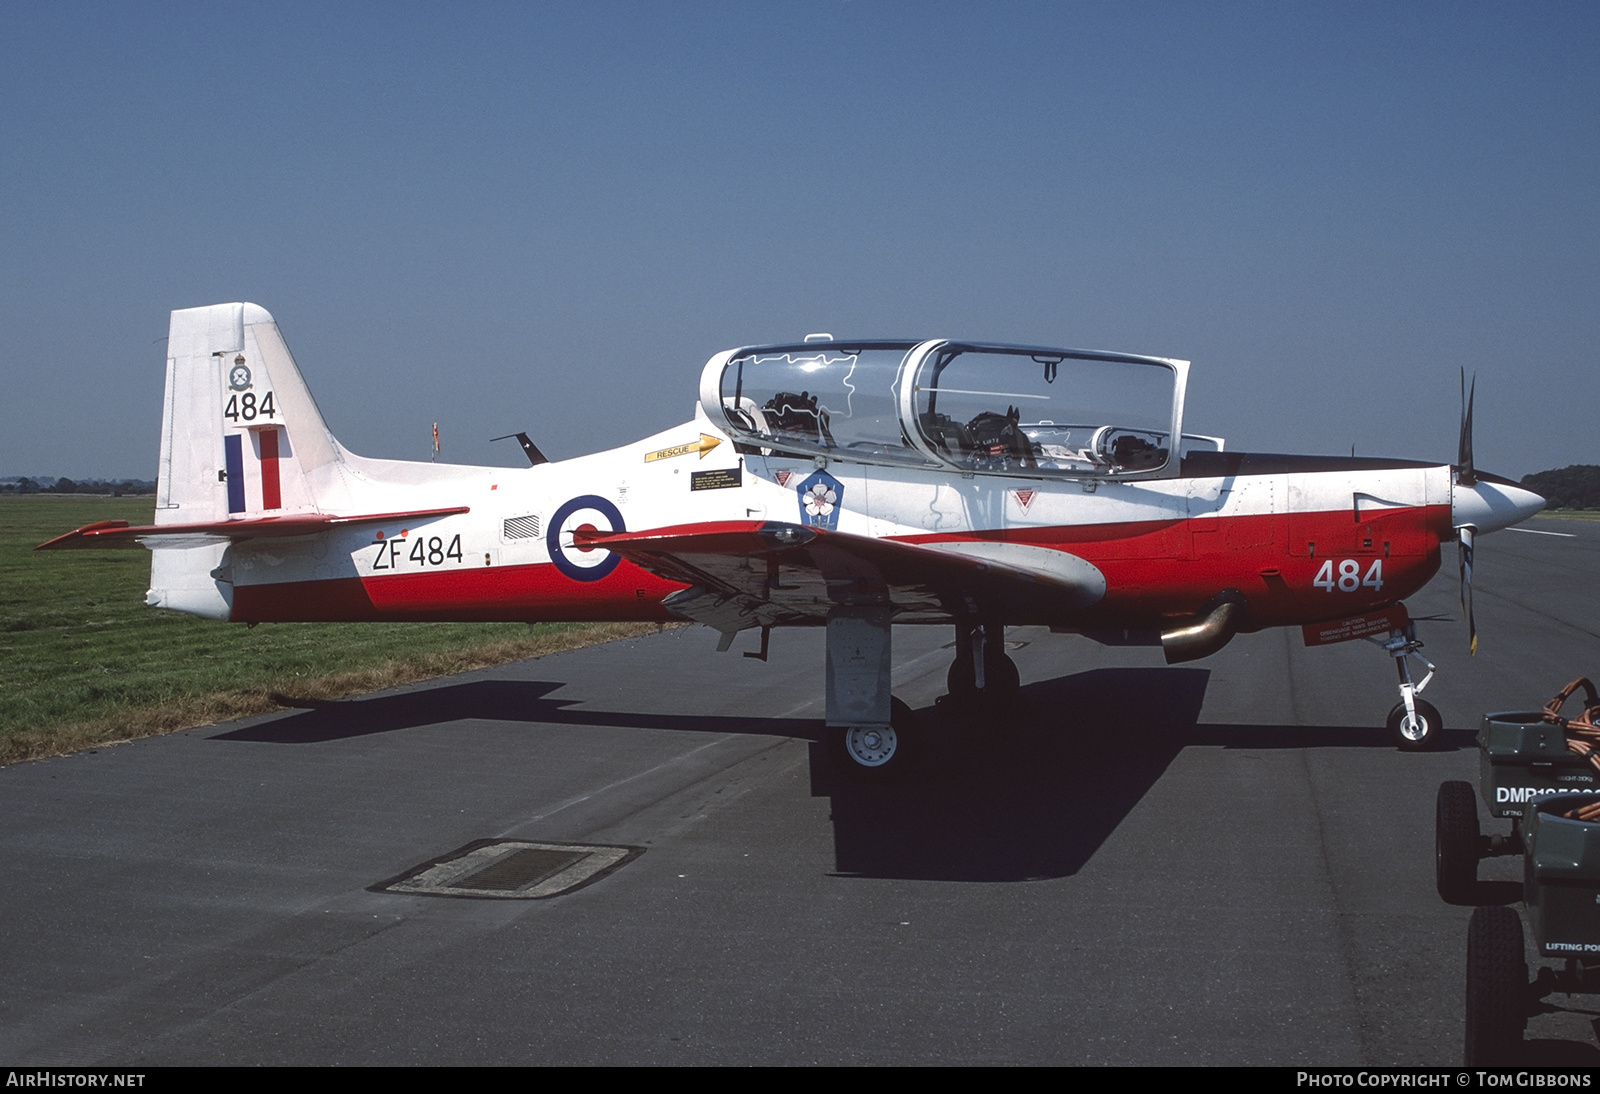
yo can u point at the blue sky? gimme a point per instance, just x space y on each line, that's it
547 216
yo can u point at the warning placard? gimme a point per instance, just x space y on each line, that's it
724 479
1357 626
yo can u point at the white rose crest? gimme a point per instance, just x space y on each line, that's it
820 499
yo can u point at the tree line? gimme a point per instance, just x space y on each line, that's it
116 488
1575 487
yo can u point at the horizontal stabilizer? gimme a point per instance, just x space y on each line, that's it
119 533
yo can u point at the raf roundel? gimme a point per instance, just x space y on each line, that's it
588 513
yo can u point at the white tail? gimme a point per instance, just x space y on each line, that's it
241 437
242 440
240 434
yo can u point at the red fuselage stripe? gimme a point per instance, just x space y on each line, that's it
1154 570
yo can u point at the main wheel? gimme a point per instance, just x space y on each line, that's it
877 752
1455 841
1497 987
1001 680
1414 735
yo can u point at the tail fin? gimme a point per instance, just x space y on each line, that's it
240 437
240 434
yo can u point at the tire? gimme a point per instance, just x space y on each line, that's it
876 754
1002 677
1497 987
1456 842
1001 680
960 681
1427 735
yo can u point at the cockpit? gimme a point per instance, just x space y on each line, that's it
975 408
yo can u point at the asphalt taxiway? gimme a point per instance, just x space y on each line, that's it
1223 862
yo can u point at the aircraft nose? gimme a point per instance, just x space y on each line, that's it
1492 503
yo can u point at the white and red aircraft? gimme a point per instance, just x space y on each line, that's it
852 485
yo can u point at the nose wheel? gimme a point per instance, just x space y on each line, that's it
1416 729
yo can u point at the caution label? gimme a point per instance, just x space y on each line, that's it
725 479
1357 626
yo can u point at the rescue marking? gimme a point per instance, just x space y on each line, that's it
705 444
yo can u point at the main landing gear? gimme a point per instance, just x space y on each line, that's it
875 735
871 732
982 678
878 752
1414 724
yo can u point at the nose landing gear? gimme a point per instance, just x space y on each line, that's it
1414 724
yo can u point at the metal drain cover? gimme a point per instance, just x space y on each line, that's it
512 869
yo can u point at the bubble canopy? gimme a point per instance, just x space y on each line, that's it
975 408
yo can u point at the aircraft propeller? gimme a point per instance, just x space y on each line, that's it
1480 503
1466 475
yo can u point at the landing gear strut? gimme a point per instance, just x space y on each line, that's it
872 733
982 675
1414 724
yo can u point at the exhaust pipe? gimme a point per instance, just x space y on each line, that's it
1212 629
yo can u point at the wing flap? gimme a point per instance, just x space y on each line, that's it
769 572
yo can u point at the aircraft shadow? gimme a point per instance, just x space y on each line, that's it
1036 796
1549 1052
493 700
1032 798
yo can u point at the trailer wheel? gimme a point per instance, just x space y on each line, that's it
1455 842
1497 987
1414 735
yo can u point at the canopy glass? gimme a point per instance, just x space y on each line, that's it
1011 410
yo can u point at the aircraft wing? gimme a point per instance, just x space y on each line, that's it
119 533
748 573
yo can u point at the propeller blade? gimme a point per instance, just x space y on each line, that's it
1465 474
1465 534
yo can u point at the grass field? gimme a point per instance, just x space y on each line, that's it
87 662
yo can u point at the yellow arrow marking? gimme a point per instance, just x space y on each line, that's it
703 445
